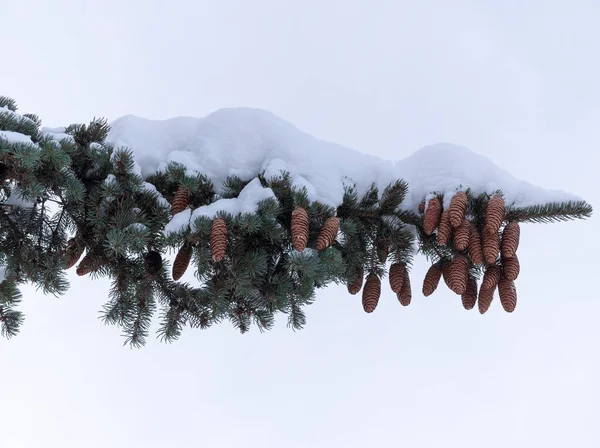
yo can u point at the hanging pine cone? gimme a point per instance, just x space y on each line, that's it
508 295
153 262
431 219
458 274
469 297
72 253
218 239
396 276
444 229
85 266
182 261
457 208
422 207
494 214
371 293
486 296
510 239
432 279
491 246
475 248
180 201
491 277
511 268
405 294
328 233
383 251
299 228
356 285
462 235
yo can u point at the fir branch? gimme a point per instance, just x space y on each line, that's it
550 212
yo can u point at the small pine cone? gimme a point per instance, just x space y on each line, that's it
475 248
432 279
405 294
422 207
510 239
486 296
432 216
218 239
328 233
371 293
85 266
458 208
383 251
396 276
299 228
491 277
458 274
508 295
462 235
356 285
491 246
494 214
444 229
469 297
72 253
152 262
180 201
182 261
511 268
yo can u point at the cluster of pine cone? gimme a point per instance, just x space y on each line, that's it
489 248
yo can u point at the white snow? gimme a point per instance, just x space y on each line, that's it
179 222
15 137
2 273
16 199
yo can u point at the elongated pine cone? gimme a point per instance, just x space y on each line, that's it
469 297
383 251
432 279
422 207
458 274
462 235
475 247
72 253
491 246
485 299
494 214
457 208
396 276
491 277
299 228
356 285
218 239
180 201
405 294
444 229
511 268
508 295
328 233
182 261
510 239
85 266
152 262
371 293
431 219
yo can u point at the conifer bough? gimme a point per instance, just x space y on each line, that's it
77 201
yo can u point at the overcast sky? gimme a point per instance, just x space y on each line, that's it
516 81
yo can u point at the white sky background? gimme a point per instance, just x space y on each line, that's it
516 81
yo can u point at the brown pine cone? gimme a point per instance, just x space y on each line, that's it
462 235
511 268
494 214
469 297
432 279
182 261
422 207
86 264
432 216
371 293
458 274
383 251
457 208
508 295
491 277
475 247
486 296
152 262
405 294
356 285
72 253
218 239
444 229
328 233
491 246
180 201
510 239
299 228
396 276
